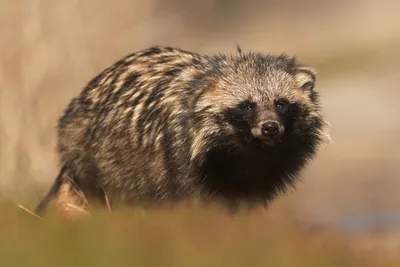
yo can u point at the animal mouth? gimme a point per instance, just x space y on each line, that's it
270 141
262 141
267 140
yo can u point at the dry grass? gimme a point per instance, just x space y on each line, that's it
171 237
49 49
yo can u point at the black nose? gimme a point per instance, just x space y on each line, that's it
270 129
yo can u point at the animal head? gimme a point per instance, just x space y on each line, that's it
265 101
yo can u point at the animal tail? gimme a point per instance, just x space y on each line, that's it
52 193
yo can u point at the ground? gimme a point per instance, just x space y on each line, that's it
172 237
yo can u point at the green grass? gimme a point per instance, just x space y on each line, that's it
166 237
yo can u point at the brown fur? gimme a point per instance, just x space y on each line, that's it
164 124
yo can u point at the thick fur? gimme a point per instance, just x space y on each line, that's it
164 124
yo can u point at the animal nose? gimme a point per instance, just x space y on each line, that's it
270 129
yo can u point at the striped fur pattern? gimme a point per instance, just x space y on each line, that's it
164 124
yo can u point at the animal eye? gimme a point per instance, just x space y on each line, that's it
281 104
246 106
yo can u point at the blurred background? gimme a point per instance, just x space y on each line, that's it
49 50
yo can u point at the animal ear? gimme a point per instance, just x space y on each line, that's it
305 76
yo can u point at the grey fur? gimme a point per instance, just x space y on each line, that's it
149 127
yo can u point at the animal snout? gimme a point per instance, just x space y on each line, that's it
270 129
